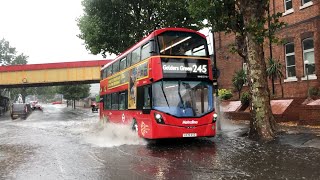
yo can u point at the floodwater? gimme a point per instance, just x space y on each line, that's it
61 143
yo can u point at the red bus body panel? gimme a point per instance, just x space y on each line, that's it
173 128
147 126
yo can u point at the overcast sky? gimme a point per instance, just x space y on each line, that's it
45 30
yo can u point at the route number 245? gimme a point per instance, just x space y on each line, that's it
199 69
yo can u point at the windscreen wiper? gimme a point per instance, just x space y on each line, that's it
164 94
180 96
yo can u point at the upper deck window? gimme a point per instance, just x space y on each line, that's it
182 43
109 71
145 51
115 67
123 63
135 56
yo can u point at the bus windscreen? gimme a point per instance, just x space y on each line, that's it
183 98
182 43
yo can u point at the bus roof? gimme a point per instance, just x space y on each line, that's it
151 35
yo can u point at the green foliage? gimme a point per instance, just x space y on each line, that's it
110 26
8 54
44 93
20 59
313 91
97 98
74 92
245 98
238 80
228 16
274 69
224 94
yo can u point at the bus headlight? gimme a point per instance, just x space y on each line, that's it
158 118
215 117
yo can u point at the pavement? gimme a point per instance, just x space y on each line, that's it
289 133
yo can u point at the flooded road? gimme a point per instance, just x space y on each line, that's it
61 143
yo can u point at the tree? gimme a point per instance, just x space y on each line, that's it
247 20
274 72
110 26
75 92
8 57
20 59
238 80
7 53
221 16
262 125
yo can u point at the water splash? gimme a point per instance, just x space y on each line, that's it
110 135
227 126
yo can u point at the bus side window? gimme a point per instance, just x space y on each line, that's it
147 97
104 100
136 55
115 101
115 67
108 101
144 97
123 64
129 60
109 70
145 51
123 101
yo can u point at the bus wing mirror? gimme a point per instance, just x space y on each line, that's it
215 73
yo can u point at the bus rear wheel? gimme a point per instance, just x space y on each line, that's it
134 125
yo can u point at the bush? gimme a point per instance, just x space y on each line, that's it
313 91
224 94
245 98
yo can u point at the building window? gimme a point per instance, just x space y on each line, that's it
287 5
290 60
305 2
308 57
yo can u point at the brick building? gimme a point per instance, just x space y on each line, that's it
299 55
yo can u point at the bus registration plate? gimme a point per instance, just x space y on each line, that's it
189 135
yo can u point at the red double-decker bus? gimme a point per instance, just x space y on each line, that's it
162 86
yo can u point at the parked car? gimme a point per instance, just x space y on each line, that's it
21 110
35 105
57 102
94 106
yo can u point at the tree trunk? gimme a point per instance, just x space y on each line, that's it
74 104
262 124
272 80
282 94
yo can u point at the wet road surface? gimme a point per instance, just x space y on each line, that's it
61 143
